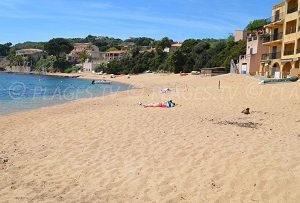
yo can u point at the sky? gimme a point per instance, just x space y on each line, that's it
42 20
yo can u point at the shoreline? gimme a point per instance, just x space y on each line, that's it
64 103
65 75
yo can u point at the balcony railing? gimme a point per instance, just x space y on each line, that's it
290 30
292 9
275 18
288 52
270 56
271 38
252 38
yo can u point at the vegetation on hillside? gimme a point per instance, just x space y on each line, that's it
5 49
140 41
58 47
194 54
29 45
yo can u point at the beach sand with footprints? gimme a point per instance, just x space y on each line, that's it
111 149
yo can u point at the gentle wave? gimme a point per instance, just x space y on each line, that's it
20 92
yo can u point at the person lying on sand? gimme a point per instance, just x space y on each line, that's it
168 104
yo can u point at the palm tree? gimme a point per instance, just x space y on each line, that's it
83 56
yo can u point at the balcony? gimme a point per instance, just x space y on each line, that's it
271 56
275 18
253 38
292 9
271 38
290 30
288 52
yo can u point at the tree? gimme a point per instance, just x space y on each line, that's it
101 44
256 24
100 68
112 49
135 52
188 45
140 41
114 67
83 56
176 61
20 60
4 49
11 58
46 64
163 43
29 45
201 46
58 47
90 38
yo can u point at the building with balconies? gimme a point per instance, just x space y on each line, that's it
114 55
88 48
250 62
33 53
283 41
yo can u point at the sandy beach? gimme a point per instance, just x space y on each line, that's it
111 149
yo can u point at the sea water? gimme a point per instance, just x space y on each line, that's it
21 92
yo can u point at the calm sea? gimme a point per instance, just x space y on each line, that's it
20 92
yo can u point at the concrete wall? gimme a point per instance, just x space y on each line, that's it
88 67
240 35
255 59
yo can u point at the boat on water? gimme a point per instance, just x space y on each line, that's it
104 82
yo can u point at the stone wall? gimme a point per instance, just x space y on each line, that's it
19 69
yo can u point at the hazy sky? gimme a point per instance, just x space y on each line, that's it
41 20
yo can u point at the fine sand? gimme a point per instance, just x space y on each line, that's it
111 149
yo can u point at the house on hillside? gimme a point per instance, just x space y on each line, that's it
104 58
92 53
91 50
33 53
173 48
24 63
114 55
